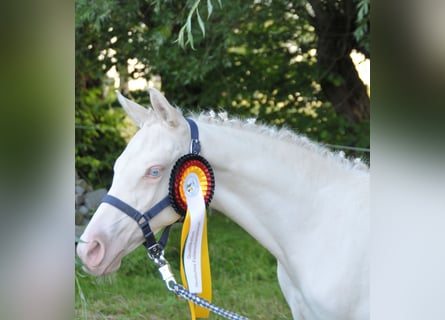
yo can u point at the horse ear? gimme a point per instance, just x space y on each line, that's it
136 112
163 108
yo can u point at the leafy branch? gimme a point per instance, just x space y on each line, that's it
361 31
185 36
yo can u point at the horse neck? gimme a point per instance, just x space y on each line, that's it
267 185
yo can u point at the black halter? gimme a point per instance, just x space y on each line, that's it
153 247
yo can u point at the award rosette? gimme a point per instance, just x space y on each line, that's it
191 189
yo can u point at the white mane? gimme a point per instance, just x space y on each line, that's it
283 134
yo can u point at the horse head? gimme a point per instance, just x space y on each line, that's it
141 177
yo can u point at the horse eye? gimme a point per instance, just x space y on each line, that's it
154 172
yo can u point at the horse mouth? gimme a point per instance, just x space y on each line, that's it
115 263
111 267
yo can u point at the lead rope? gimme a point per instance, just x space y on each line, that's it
182 292
169 279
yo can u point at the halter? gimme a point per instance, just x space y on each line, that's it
153 247
191 161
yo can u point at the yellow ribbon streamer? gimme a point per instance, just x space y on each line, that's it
195 310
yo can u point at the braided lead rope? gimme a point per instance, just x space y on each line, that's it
184 293
157 256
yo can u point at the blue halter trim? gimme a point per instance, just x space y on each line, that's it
141 219
195 145
154 248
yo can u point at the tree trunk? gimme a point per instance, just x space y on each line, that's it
334 23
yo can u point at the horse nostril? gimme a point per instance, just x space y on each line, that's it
92 254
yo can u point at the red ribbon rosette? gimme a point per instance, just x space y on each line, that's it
186 165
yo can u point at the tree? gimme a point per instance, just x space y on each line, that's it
335 23
340 25
262 59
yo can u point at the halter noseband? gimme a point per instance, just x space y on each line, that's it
153 247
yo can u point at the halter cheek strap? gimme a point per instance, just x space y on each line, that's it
195 145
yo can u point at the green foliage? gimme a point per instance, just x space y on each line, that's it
99 139
363 19
252 59
186 30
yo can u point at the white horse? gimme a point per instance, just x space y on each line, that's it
308 206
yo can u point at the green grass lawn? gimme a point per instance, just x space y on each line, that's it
243 277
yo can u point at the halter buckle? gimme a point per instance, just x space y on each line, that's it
156 253
195 146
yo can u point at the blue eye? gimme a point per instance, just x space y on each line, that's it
154 172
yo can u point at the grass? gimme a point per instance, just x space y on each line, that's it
243 277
